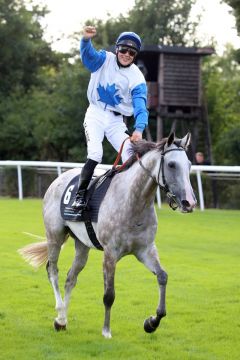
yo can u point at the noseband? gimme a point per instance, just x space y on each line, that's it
172 198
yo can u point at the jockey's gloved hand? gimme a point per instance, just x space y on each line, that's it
89 32
136 136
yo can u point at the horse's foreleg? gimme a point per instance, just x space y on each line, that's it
109 265
151 260
79 263
153 322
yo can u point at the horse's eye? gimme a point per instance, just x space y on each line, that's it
172 164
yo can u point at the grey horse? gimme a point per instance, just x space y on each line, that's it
127 223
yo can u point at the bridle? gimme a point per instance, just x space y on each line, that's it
172 198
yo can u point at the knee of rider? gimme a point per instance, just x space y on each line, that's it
96 154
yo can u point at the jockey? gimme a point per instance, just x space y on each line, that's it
117 88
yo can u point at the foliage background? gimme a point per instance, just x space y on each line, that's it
43 93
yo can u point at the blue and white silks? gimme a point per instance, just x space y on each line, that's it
121 89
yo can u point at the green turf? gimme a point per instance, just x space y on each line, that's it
200 252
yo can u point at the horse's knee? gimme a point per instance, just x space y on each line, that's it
162 277
108 298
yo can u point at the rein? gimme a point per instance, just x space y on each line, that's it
115 166
172 198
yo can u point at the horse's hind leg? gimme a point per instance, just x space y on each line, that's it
150 259
55 242
79 263
109 266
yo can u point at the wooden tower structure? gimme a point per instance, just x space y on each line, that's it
173 76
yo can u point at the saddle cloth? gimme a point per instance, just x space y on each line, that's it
95 194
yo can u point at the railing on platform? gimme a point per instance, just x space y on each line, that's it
212 170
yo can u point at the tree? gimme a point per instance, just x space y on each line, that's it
23 50
47 123
222 87
27 67
65 104
16 140
158 22
162 21
235 4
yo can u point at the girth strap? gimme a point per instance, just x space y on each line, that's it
91 232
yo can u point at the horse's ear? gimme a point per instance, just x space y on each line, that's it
186 141
170 139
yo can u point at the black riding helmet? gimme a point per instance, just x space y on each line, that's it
131 40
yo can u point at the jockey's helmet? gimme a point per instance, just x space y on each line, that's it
129 39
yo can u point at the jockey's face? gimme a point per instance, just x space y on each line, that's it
125 55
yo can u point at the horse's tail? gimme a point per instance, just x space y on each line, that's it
35 254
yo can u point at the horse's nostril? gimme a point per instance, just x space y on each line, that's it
185 203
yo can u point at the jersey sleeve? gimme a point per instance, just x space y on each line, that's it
140 112
91 58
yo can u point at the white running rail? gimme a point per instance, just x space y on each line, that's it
216 171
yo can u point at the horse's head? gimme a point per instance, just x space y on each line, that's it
174 173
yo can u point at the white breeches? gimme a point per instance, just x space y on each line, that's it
99 123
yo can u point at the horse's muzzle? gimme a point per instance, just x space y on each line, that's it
186 207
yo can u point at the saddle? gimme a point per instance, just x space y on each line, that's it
95 194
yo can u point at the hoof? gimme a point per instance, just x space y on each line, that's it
59 327
148 327
107 334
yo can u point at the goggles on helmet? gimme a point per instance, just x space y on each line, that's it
125 49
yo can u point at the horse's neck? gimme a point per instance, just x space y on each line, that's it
141 187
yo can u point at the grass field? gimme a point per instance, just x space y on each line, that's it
201 253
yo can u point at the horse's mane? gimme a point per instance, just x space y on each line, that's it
142 147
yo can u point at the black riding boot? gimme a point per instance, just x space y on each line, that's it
84 180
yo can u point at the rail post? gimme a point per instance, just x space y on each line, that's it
20 186
200 189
